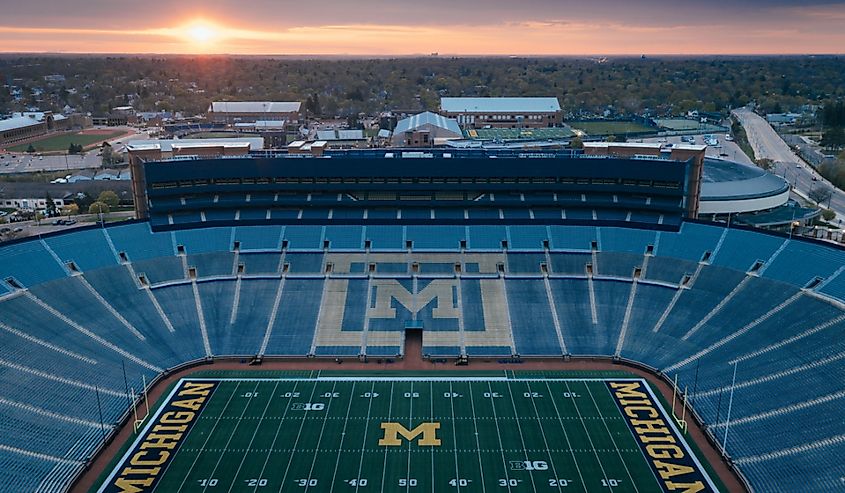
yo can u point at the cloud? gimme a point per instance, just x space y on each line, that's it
397 27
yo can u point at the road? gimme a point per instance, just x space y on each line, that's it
30 228
767 144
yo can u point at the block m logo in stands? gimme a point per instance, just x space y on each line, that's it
392 432
440 290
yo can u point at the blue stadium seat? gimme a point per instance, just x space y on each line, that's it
139 243
65 335
29 263
87 249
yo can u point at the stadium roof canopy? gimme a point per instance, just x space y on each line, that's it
255 106
427 118
725 180
499 105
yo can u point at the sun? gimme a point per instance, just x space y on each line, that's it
202 33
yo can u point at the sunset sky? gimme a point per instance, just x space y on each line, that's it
403 27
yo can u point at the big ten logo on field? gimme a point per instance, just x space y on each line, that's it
426 431
529 465
307 406
442 291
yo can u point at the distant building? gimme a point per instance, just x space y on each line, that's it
231 112
503 112
342 139
84 175
113 175
25 126
111 120
424 130
29 203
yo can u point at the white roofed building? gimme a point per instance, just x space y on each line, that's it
231 112
519 112
22 127
425 130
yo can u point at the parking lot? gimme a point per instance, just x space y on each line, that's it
725 149
29 163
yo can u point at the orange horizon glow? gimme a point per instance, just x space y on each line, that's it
207 35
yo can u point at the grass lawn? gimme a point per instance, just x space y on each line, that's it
61 142
611 127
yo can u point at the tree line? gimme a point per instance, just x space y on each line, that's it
622 86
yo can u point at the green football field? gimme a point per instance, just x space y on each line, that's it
409 434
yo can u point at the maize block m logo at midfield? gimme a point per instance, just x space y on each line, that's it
426 431
440 291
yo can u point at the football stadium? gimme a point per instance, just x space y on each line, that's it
406 320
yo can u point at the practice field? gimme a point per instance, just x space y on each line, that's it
409 434
611 127
61 142
525 133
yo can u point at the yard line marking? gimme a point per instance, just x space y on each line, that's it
542 432
477 442
343 434
431 416
276 436
455 437
521 437
384 465
410 426
589 437
565 434
366 429
207 438
613 440
498 434
232 435
322 433
251 440
296 442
